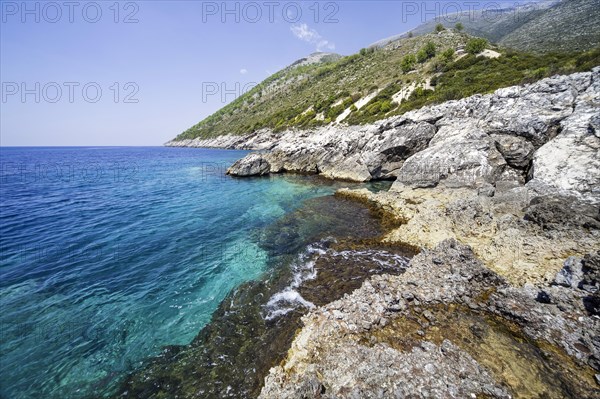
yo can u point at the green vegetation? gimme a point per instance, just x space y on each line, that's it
472 75
476 45
378 106
366 51
316 94
408 63
550 26
426 52
447 55
439 28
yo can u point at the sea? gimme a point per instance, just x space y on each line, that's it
109 255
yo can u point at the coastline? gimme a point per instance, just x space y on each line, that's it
255 325
514 174
500 192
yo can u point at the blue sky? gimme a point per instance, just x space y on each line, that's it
92 73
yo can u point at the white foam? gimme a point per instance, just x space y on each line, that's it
287 297
304 269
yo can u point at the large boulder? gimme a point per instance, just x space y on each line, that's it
517 151
533 111
571 161
461 154
251 165
561 212
390 147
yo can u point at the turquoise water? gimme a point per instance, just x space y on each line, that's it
109 254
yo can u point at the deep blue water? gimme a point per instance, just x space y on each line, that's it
109 254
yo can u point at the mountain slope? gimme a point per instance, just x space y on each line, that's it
492 24
568 26
316 93
544 26
377 83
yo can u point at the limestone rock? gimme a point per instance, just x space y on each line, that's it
517 151
440 343
252 165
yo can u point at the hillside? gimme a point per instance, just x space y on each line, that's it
544 26
381 82
492 25
571 25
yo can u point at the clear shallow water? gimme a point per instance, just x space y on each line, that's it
109 254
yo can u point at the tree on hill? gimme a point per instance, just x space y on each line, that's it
459 27
476 45
408 63
448 55
439 28
426 52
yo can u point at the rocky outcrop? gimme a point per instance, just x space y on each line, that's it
348 153
571 161
446 328
545 132
521 234
252 165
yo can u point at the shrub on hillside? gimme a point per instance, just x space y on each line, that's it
408 63
447 55
426 52
386 106
476 45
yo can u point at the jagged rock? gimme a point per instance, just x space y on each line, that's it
571 161
486 190
386 153
571 273
560 212
252 165
517 151
351 169
459 155
531 111
595 125
448 340
591 269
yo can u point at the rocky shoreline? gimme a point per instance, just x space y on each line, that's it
447 328
502 193
547 131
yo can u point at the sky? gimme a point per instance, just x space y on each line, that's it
138 73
